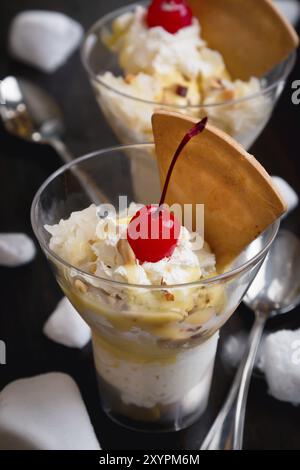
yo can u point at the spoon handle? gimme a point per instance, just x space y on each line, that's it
94 193
227 430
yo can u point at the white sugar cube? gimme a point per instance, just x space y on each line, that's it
45 412
65 326
16 249
281 364
44 39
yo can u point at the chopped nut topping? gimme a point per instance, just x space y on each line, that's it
169 297
93 268
80 286
126 252
186 78
129 77
228 95
217 84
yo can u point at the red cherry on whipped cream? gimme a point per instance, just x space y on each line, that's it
172 15
153 231
153 234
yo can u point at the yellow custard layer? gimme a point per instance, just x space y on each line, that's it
157 334
163 321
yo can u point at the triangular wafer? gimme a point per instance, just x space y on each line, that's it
252 35
240 200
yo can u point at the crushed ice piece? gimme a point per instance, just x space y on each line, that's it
233 349
65 326
16 249
44 39
289 195
290 9
281 365
45 412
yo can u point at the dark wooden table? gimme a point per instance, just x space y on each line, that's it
29 294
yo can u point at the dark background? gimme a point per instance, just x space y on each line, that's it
29 294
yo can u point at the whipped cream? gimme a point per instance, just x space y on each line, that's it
156 51
99 246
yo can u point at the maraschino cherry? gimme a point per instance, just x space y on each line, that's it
153 231
172 15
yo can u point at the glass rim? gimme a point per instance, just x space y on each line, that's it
290 59
204 282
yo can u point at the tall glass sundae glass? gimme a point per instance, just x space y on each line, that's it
154 364
129 113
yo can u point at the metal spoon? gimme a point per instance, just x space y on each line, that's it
30 113
275 290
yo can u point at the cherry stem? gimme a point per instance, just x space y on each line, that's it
197 129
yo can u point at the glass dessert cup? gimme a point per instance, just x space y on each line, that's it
130 117
154 363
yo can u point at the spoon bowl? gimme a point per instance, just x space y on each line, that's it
275 290
276 287
28 112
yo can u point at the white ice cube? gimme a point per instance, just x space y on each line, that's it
65 326
281 364
16 249
44 39
287 192
45 412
